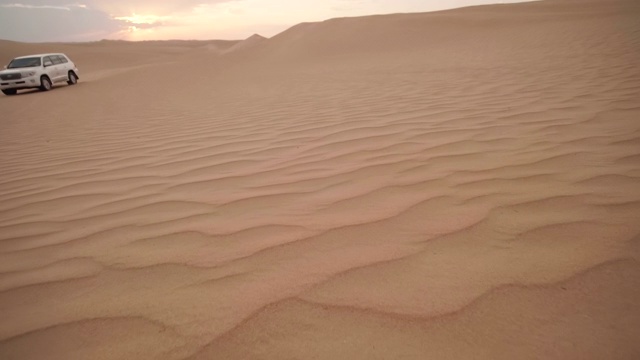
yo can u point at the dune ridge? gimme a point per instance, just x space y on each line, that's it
454 184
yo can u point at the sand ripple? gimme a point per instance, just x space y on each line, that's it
474 193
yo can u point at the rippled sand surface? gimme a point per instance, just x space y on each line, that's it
452 185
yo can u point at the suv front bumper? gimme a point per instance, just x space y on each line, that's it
24 83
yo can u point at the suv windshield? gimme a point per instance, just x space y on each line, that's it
24 62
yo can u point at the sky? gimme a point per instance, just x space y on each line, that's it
90 20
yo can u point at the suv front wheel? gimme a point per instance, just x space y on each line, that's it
45 83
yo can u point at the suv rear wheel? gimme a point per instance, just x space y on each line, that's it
45 83
10 91
73 79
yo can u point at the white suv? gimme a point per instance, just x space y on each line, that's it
37 71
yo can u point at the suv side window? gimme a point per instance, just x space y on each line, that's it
56 60
63 59
47 61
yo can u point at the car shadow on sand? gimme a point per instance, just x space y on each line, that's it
26 92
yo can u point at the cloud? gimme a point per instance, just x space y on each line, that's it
116 7
66 20
27 6
55 22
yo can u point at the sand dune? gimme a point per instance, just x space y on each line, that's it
460 184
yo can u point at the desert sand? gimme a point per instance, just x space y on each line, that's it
462 184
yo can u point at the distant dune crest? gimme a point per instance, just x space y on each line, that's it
252 41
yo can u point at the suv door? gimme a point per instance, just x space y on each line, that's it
65 66
50 68
58 67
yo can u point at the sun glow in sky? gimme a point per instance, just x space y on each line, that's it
142 19
63 20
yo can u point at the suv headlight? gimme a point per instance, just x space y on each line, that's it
28 73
